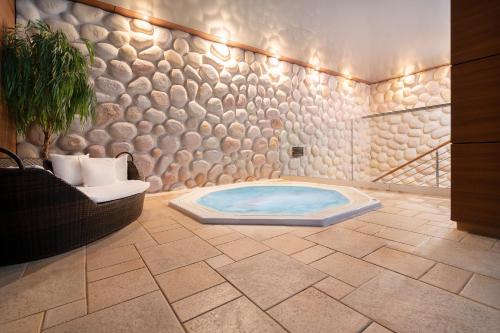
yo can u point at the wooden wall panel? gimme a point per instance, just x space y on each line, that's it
475 195
475 102
7 128
475 29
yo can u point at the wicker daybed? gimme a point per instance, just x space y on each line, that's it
42 215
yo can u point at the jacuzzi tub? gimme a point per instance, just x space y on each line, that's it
275 203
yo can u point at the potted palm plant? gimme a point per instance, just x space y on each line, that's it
45 80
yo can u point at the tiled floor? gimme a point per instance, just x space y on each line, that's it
404 268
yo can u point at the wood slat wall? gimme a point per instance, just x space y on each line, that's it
475 118
7 128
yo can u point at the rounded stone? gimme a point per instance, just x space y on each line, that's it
123 131
183 157
141 26
161 81
181 46
143 102
139 86
211 143
236 130
205 128
107 112
120 70
98 136
178 96
142 67
128 53
199 44
220 131
93 33
68 29
154 53
144 143
155 184
177 76
155 116
72 142
160 99
106 51
195 110
52 7
118 147
191 140
117 22
209 74
230 145
144 163
96 151
27 150
174 58
140 41
163 37
174 127
169 144
220 50
144 127
260 145
87 14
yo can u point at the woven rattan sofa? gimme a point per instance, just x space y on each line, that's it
42 215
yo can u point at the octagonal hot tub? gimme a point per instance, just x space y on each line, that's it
275 203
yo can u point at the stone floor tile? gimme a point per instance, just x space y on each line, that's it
376 328
392 220
204 301
171 235
100 258
311 254
242 248
11 273
188 280
288 244
352 224
65 313
351 242
147 313
371 228
116 289
117 269
313 311
496 246
400 246
219 261
408 212
462 256
390 209
270 277
166 257
46 284
212 231
334 288
239 315
405 305
401 262
348 269
30 324
441 232
447 277
479 242
226 238
402 236
187 221
131 234
262 232
421 207
306 231
483 289
434 217
145 244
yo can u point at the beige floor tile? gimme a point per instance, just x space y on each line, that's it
186 221
159 226
311 254
496 246
441 232
226 238
145 244
352 224
371 228
351 242
171 235
348 269
402 236
11 273
313 311
334 288
306 231
117 269
46 284
262 232
479 242
30 324
408 212
483 289
401 262
65 313
288 244
270 277
434 217
392 220
131 234
462 256
400 246
212 231
204 301
405 305
219 261
239 315
99 258
165 257
421 207
147 313
447 277
242 248
376 328
188 280
390 209
116 289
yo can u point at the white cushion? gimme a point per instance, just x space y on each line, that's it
114 191
67 167
121 168
98 171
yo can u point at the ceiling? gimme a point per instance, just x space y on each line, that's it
372 40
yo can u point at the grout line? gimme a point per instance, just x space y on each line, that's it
466 283
426 271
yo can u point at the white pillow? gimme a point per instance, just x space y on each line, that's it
121 168
98 171
67 167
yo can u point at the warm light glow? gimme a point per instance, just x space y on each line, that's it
409 69
222 35
347 73
146 17
275 51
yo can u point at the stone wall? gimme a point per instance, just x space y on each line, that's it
198 113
